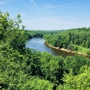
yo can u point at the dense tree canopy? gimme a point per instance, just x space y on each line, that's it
74 39
24 69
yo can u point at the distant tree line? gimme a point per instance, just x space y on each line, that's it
70 39
39 33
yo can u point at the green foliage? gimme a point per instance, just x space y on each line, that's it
39 33
75 63
72 39
16 41
10 32
52 67
25 69
35 83
78 82
32 59
88 52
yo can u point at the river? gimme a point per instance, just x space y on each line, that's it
39 45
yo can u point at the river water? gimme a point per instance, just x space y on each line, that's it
39 45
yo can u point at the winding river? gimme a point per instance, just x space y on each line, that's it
40 45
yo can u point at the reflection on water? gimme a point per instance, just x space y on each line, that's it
61 53
39 45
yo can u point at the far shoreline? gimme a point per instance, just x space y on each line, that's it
66 50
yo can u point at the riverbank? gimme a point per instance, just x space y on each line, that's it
66 50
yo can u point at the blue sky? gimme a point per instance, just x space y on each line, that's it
49 14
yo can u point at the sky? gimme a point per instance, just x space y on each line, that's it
49 14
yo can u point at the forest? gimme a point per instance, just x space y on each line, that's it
22 68
77 40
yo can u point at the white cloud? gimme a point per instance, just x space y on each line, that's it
47 23
60 20
50 6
